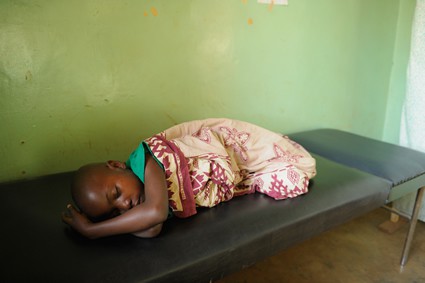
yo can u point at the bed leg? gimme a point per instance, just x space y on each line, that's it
395 222
394 218
413 221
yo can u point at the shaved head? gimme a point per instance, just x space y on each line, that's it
104 190
85 186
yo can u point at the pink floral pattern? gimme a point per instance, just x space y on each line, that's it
203 134
210 161
237 140
286 155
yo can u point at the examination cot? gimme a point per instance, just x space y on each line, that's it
37 246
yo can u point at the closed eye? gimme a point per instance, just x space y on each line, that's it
117 192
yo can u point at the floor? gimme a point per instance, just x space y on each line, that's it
355 252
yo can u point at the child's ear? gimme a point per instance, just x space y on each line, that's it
112 164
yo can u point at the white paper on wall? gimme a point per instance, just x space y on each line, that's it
274 2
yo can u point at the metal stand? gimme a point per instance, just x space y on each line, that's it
413 221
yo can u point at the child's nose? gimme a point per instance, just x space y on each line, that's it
124 205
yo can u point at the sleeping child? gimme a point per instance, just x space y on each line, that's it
195 164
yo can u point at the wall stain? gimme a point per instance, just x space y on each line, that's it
171 118
28 76
154 11
271 6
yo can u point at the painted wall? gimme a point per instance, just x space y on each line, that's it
86 80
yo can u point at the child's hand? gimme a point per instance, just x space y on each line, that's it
77 220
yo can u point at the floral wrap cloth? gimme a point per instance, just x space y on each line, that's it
210 161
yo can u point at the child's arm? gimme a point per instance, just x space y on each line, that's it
143 220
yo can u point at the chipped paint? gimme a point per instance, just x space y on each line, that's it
154 11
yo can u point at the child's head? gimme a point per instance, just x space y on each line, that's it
104 190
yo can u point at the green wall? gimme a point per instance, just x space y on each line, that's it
86 80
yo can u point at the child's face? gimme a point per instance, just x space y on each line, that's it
112 191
